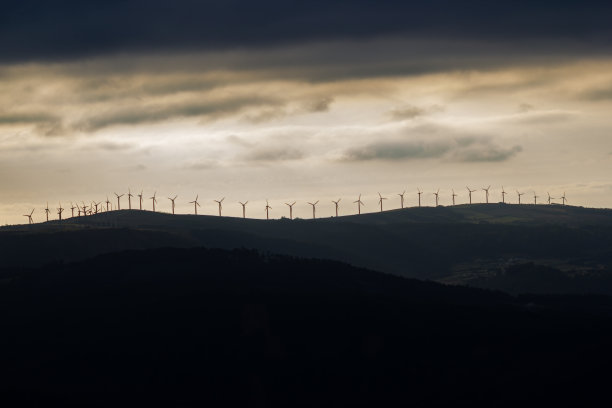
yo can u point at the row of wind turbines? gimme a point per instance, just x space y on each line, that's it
104 206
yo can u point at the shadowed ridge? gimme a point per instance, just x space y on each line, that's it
464 213
466 244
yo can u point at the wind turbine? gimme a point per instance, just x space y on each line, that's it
454 195
60 210
470 192
535 198
267 210
30 216
380 201
107 203
72 207
172 199
519 196
437 193
359 204
220 202
563 198
550 198
503 195
140 197
243 208
486 190
195 204
130 195
291 209
79 209
154 200
402 198
96 206
47 211
314 207
84 208
119 200
336 204
419 193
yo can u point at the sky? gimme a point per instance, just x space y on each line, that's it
303 101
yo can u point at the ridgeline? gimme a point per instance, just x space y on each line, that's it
516 248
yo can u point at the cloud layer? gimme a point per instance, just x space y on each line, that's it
36 30
462 149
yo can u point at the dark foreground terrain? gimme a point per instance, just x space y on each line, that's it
187 327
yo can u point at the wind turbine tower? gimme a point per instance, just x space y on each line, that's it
60 210
243 208
519 196
486 190
419 193
380 201
402 198
119 200
336 204
29 216
550 198
107 203
314 209
563 198
503 195
154 200
535 198
72 207
454 195
437 193
140 197
47 211
195 205
172 200
291 209
220 202
268 208
470 192
359 204
130 195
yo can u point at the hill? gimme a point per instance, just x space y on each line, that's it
190 327
479 245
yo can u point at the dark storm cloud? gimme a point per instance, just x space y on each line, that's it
398 150
43 30
413 112
138 114
110 146
318 105
463 149
26 117
603 93
486 153
274 154
43 124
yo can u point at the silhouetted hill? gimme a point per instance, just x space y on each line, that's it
191 327
466 244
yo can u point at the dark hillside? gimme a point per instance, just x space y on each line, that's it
475 245
188 327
